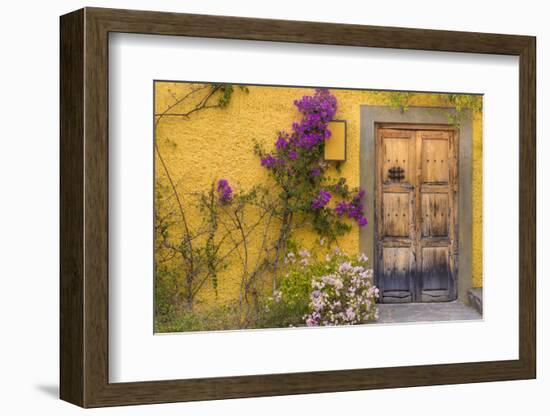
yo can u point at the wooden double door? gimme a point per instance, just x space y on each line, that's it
416 227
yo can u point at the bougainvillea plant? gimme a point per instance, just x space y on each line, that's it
225 191
297 166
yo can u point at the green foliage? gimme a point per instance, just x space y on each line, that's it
216 318
289 304
186 257
189 255
397 99
166 291
227 92
296 165
347 296
464 105
333 289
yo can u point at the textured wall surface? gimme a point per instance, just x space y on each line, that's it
477 203
218 143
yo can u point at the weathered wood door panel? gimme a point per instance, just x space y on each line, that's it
395 206
416 226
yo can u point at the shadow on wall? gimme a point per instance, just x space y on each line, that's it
51 390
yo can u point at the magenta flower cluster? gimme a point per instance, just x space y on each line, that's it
312 130
224 191
321 200
317 111
353 209
269 161
296 163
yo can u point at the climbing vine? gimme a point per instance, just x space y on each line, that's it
254 229
187 255
307 193
457 107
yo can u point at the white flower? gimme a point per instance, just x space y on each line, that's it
362 257
357 269
290 257
344 294
344 267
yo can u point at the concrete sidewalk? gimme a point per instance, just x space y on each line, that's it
426 312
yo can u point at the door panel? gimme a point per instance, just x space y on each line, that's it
416 227
435 158
396 267
435 214
397 153
435 274
396 214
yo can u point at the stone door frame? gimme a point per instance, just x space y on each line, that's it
369 117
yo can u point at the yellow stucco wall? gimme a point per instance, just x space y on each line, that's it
218 143
477 203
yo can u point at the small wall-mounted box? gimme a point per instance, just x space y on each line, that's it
335 145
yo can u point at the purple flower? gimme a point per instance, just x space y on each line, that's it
320 107
224 191
353 209
321 199
269 161
317 111
281 143
341 208
306 134
360 195
315 172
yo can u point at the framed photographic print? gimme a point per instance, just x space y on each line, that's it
256 207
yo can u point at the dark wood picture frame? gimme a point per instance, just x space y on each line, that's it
84 207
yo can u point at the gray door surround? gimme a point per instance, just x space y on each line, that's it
372 114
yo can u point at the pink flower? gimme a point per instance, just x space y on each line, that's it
350 314
311 322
